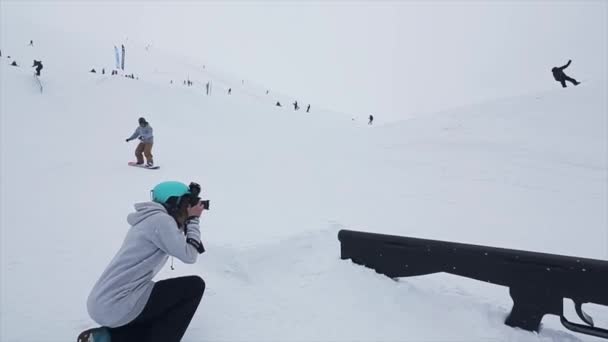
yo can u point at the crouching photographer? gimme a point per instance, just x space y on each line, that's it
125 301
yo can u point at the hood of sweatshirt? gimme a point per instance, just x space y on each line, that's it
145 210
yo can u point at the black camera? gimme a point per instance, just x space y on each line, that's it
195 191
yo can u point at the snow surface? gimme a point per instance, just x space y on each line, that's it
527 173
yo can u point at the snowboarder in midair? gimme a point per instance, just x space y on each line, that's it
561 77
144 133
125 300
38 65
371 119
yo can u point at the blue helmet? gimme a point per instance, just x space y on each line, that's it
165 190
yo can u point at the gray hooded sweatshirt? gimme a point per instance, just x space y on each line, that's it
145 134
122 291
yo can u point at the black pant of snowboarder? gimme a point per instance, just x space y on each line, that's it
561 77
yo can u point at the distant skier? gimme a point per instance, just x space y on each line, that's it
278 104
31 43
103 71
229 91
308 109
93 71
14 64
38 65
560 76
144 133
207 87
371 119
125 300
295 105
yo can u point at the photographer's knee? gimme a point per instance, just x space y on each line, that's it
198 284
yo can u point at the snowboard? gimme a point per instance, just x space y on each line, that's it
143 166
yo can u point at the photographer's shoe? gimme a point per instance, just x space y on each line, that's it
101 334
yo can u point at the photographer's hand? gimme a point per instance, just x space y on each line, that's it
196 210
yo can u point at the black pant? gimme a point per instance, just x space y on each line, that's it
167 314
569 79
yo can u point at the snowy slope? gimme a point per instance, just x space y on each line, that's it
527 173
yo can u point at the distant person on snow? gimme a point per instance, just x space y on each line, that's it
371 119
38 65
295 105
14 63
278 104
125 301
144 133
31 43
308 109
560 76
93 71
229 91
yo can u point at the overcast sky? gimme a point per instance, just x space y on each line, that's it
392 59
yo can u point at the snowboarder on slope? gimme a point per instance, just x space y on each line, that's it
144 133
125 301
560 76
38 65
